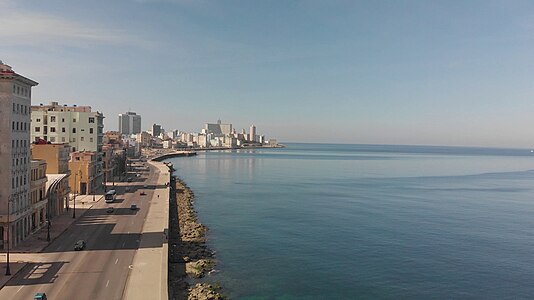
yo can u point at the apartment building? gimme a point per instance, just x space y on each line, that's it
78 126
38 195
15 112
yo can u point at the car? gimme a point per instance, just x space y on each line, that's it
145 186
142 193
80 245
40 296
129 179
133 207
110 210
127 189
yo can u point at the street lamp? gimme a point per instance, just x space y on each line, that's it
76 187
8 270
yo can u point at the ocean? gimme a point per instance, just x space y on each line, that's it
325 221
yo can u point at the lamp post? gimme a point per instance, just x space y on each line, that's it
8 270
76 187
48 220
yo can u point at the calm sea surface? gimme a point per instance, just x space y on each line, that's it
323 221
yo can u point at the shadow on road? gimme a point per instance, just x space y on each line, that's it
37 273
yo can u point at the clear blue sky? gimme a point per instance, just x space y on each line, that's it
386 72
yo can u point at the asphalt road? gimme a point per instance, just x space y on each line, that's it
101 270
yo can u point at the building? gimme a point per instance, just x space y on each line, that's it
78 126
129 123
15 164
252 136
39 200
218 129
83 167
57 158
156 130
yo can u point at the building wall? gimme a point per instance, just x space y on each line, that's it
38 194
84 176
15 164
57 157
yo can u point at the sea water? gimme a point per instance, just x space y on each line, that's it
323 221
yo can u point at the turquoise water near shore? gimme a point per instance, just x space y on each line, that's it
323 221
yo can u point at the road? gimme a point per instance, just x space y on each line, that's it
101 270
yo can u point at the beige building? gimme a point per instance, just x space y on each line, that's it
83 166
15 164
38 195
57 157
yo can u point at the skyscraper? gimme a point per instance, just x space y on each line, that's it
129 123
15 161
252 136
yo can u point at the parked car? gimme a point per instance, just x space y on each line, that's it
127 188
142 193
110 210
80 245
133 207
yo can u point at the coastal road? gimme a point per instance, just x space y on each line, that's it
101 270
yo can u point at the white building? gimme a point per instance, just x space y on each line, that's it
79 126
252 135
129 123
15 162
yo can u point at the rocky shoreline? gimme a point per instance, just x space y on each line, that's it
189 257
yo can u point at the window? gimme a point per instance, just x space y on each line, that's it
52 118
73 130
73 120
91 140
82 138
52 129
91 130
37 120
63 120
63 139
52 139
37 129
63 129
91 119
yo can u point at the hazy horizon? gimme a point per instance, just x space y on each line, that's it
352 72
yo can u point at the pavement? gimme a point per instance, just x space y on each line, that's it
148 259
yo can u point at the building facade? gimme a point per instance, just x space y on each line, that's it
39 200
15 161
83 167
78 126
129 123
57 157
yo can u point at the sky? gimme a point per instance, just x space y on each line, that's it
364 72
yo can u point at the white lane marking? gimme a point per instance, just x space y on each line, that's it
107 283
117 261
20 288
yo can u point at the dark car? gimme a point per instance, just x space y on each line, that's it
133 207
110 210
129 179
143 193
40 296
80 245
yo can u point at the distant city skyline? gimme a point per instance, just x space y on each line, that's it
410 72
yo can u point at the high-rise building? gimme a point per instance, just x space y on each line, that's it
129 123
156 130
15 160
252 136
